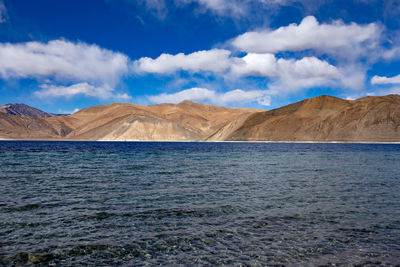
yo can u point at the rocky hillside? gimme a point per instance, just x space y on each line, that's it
122 122
24 110
323 118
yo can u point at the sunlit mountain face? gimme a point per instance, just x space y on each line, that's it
319 119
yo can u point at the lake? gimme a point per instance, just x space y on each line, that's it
171 203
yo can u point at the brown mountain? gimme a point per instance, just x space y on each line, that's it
120 122
323 118
29 128
24 110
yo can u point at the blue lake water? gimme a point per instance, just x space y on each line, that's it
137 203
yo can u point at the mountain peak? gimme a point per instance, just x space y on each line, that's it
21 109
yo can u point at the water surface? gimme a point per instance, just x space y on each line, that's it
137 203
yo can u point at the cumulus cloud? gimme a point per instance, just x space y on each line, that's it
291 74
267 65
353 76
287 73
309 34
215 60
385 80
92 71
307 72
256 65
102 92
211 96
62 60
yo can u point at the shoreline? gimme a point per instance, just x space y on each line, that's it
199 141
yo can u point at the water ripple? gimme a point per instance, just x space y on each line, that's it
100 203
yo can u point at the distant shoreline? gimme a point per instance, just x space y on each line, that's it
199 141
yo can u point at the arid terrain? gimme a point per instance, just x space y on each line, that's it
323 118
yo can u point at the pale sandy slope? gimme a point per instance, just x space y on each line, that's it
325 118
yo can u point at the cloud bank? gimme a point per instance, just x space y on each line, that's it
61 60
65 62
285 73
215 60
309 34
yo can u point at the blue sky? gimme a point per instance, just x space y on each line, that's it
61 56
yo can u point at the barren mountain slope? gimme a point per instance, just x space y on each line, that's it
322 118
24 127
184 121
326 118
24 110
204 120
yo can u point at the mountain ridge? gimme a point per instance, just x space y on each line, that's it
21 109
322 118
325 118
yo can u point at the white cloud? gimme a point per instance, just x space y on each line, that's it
288 74
211 96
62 60
256 65
267 65
215 60
307 72
91 70
385 80
353 76
309 34
292 74
102 92
308 67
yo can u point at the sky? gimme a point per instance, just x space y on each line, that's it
62 56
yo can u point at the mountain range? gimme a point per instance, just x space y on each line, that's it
322 118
